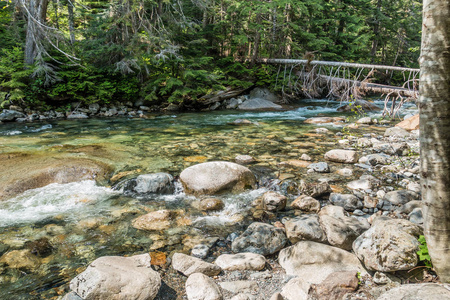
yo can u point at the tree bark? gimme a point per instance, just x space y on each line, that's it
71 22
36 12
434 108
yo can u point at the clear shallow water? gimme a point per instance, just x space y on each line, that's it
82 221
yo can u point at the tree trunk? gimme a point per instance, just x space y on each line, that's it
36 13
71 22
434 108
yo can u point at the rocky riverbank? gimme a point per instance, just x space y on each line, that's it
320 238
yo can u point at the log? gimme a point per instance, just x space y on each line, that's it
221 95
333 64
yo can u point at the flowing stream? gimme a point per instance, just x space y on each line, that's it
66 226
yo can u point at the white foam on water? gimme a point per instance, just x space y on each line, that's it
12 132
34 205
234 205
44 127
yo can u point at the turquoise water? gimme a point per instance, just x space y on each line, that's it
77 222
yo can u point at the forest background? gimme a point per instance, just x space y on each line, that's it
56 52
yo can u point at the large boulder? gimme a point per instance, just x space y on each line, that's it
400 197
429 291
114 277
312 262
216 177
389 245
342 156
10 115
335 286
260 238
23 172
258 104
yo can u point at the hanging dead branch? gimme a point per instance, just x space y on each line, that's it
345 81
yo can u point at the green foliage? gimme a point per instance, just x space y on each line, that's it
180 50
424 256
13 76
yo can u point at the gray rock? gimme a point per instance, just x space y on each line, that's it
273 201
348 201
258 104
389 245
114 277
396 132
364 143
241 261
409 207
400 197
342 156
376 159
338 233
260 238
320 167
416 216
305 228
157 183
216 177
77 115
244 159
94 108
239 286
312 262
263 93
392 148
233 103
189 265
201 287
10 115
306 203
428 291
315 189
360 184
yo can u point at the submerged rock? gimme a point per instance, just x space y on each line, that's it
216 177
156 220
114 277
157 183
342 156
34 171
